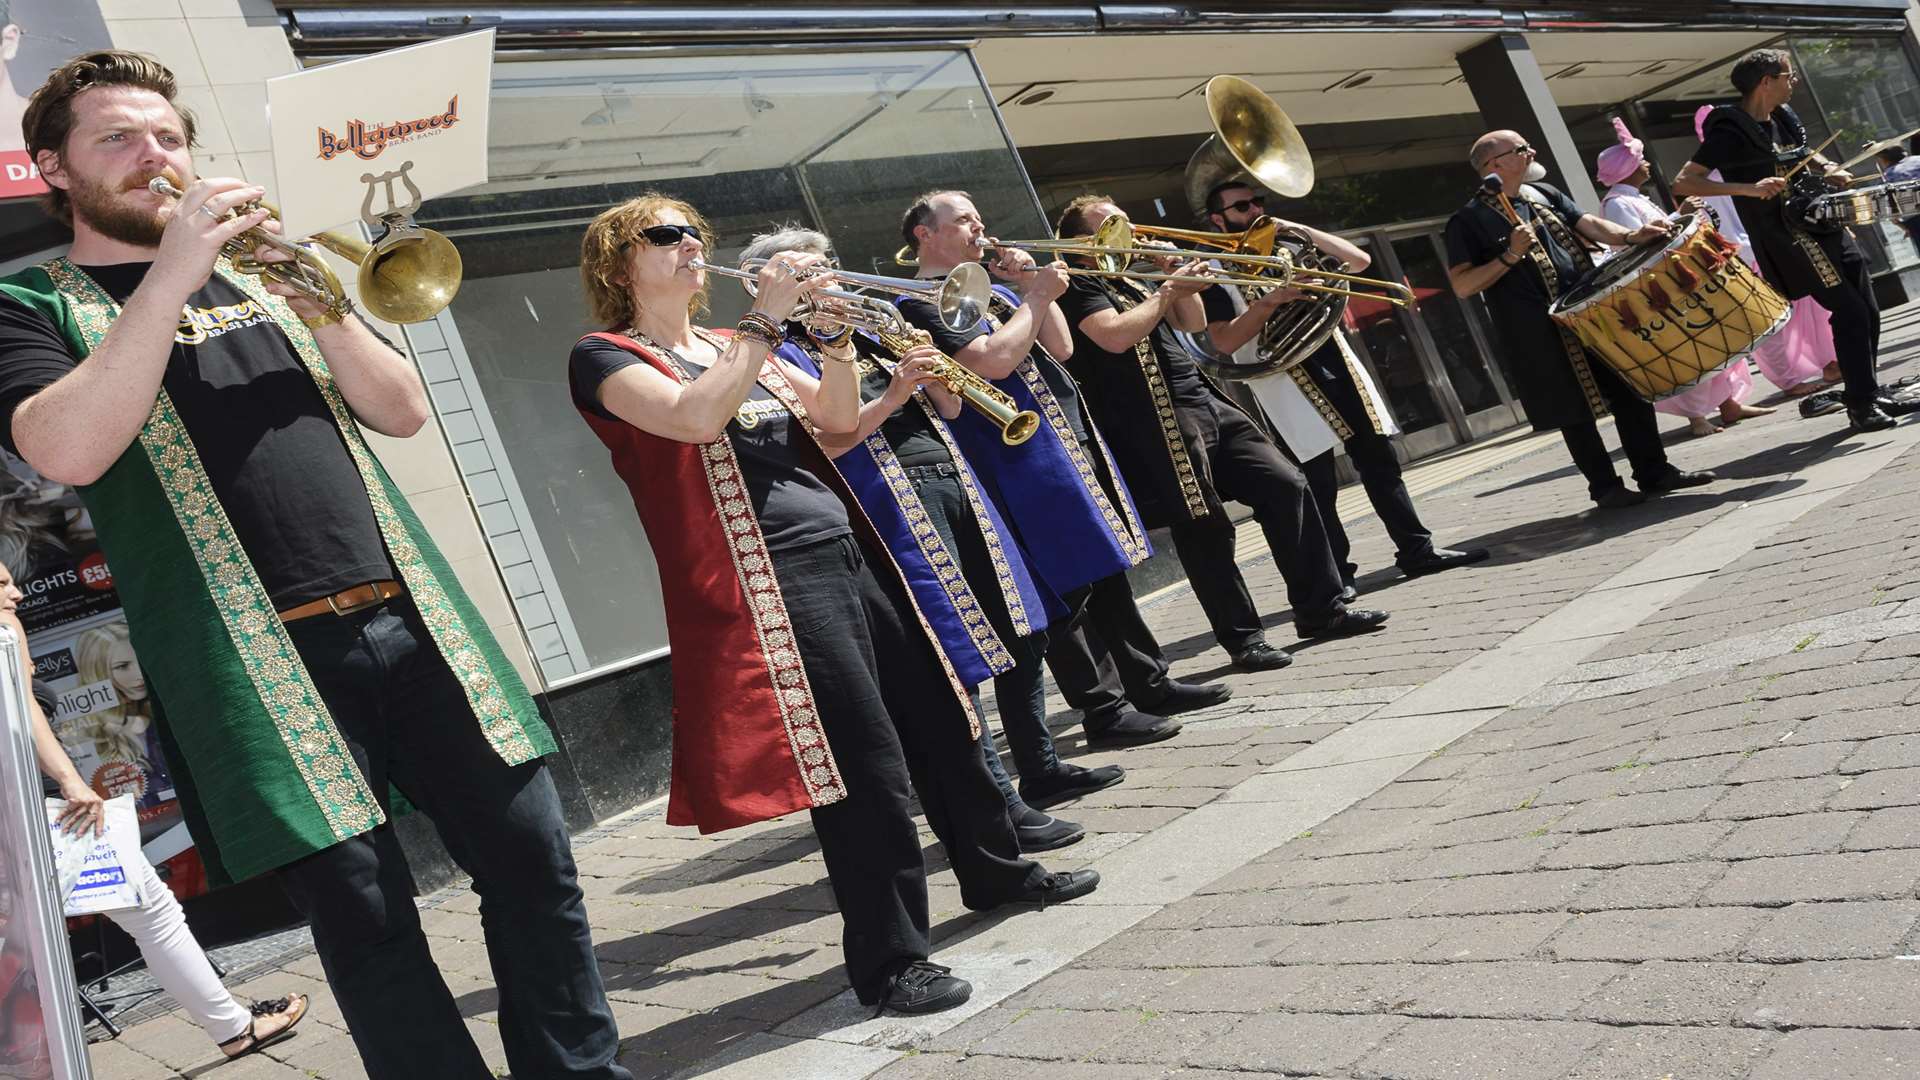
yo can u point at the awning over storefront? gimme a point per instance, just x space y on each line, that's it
331 26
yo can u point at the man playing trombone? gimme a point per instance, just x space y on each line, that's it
1060 490
1340 402
1185 448
306 640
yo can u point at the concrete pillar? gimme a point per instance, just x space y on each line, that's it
1513 95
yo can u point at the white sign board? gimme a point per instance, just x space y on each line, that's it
378 132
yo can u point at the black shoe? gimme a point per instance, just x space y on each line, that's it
1348 594
1619 497
1675 479
1067 782
1897 406
1821 403
1433 562
923 987
1186 697
1261 656
1043 832
1131 728
1345 623
1060 887
1868 418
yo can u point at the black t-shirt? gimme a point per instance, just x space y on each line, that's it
924 315
1086 297
794 507
1219 304
1478 233
1741 148
267 438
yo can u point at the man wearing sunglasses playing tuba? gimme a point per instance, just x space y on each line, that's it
1326 398
1185 448
304 643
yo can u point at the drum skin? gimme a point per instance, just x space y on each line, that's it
1672 313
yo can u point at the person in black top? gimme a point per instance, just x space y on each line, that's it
1754 144
1522 268
1185 448
201 398
1234 206
1103 655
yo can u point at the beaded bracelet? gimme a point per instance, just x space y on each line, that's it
757 327
830 337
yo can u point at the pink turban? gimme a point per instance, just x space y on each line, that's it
1616 163
1700 122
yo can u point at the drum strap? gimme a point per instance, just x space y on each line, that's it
1550 277
1815 254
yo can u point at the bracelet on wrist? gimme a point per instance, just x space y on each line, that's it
755 326
830 336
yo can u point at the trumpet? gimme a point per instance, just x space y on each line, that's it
961 296
407 275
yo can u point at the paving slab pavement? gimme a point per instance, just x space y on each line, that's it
1640 796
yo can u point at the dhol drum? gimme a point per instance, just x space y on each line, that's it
1670 314
1866 205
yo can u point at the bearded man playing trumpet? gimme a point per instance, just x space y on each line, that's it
1059 491
304 643
1185 449
1339 403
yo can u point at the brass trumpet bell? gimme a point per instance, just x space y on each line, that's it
409 275
1252 135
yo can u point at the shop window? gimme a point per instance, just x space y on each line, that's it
841 143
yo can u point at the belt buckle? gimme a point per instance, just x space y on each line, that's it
334 602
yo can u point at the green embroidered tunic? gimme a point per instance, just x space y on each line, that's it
262 771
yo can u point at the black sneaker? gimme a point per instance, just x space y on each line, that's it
1345 623
1043 832
923 987
1675 479
1619 497
1869 418
1186 697
1821 403
1060 887
1067 782
1261 656
1131 728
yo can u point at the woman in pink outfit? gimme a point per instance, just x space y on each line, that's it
1798 359
1622 169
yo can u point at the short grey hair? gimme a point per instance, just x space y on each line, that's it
790 236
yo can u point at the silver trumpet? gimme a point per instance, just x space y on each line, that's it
961 296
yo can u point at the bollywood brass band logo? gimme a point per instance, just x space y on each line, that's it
368 141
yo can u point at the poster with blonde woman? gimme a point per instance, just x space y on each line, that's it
82 652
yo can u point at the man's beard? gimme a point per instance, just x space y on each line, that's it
100 207
1536 172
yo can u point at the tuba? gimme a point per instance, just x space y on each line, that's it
1252 136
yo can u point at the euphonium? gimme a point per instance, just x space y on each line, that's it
407 275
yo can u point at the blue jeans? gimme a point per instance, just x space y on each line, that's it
407 722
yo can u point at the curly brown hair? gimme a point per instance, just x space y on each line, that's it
1073 217
49 116
603 254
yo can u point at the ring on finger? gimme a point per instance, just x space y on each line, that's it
208 210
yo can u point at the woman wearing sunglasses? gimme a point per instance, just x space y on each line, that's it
783 612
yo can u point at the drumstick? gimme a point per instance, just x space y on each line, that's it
1805 161
1492 182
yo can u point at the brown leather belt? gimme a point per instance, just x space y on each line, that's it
346 601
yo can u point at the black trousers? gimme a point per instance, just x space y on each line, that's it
1021 691
1639 432
1247 467
879 688
1856 328
1379 468
406 720
1103 653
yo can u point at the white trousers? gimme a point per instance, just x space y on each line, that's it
176 960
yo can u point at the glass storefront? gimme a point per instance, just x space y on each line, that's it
841 143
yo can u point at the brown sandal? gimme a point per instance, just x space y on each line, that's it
293 1005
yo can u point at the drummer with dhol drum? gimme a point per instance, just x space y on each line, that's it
1762 154
1522 243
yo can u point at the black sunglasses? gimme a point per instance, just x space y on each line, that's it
668 235
1241 205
